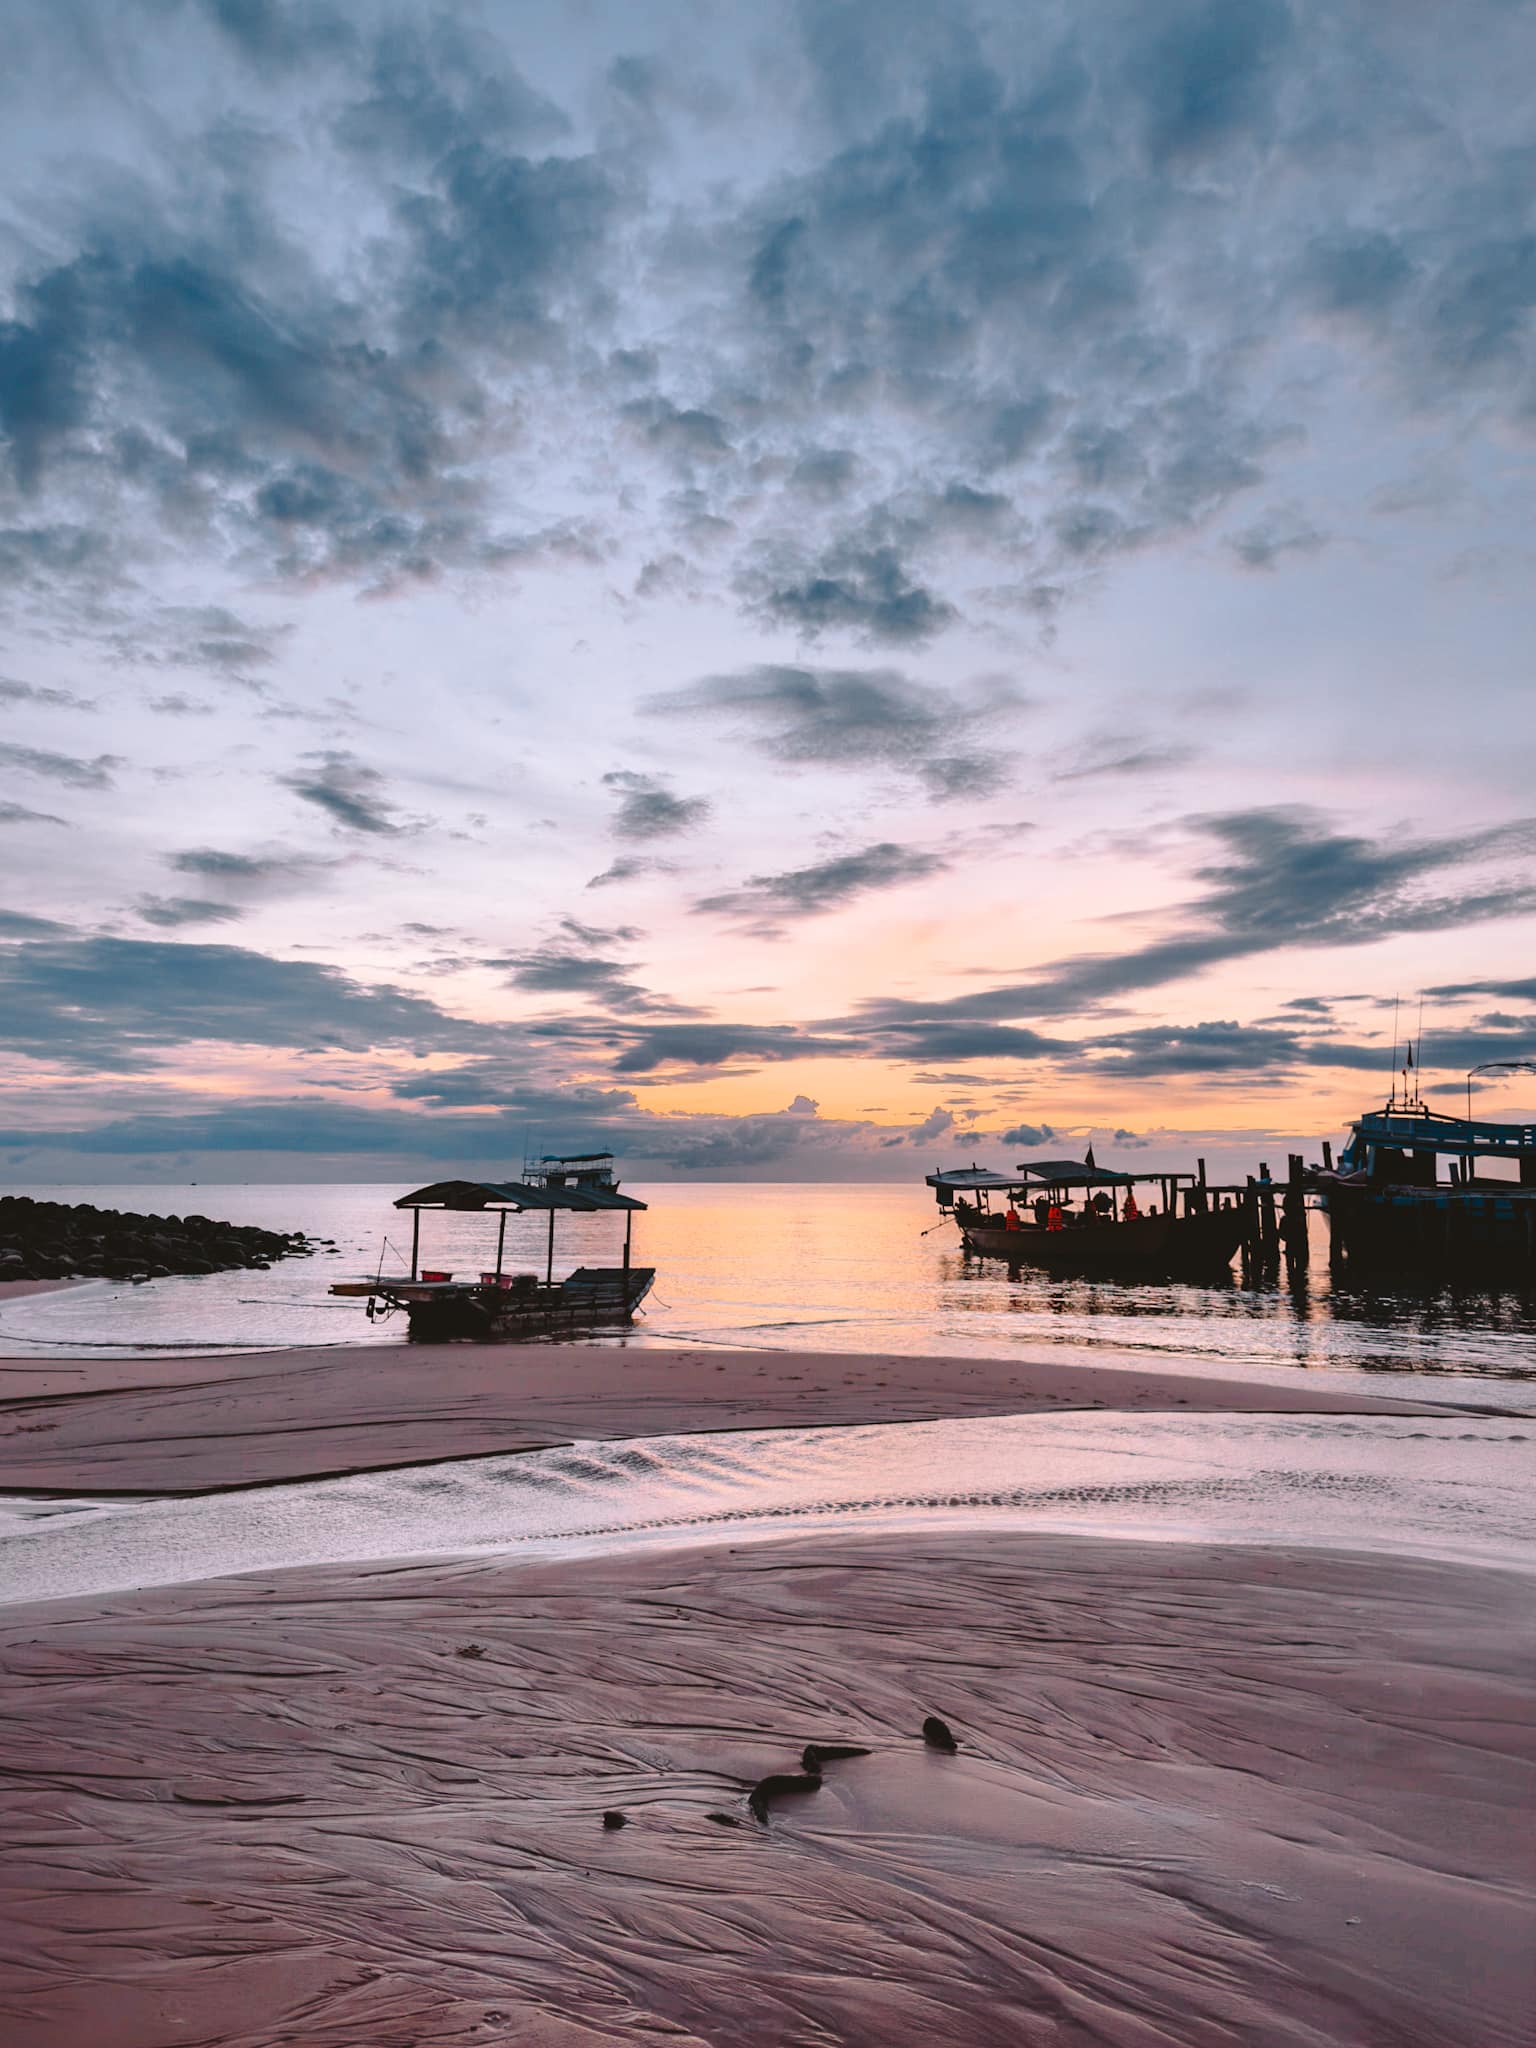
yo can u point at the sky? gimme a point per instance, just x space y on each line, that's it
804 591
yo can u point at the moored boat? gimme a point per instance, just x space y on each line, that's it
497 1303
1082 1219
1388 1207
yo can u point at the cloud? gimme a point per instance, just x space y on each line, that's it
347 790
827 885
648 809
254 875
171 911
67 769
1027 1135
1282 531
1156 1051
1282 877
629 869
19 814
572 967
1522 990
716 1045
175 704
21 924
933 1125
1207 75
13 692
864 591
734 1143
208 638
278 38
857 717
1128 757
106 1004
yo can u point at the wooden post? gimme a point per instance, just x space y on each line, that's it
549 1261
501 1239
1293 1228
629 1224
1328 1155
415 1240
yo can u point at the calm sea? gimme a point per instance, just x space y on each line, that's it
849 1268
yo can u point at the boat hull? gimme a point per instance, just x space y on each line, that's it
1150 1247
593 1297
1434 1230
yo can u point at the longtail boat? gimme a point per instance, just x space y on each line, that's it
1074 1217
498 1303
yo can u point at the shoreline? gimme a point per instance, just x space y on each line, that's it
203 1423
1203 1792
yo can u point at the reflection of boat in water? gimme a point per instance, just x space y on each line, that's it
498 1303
1082 1219
1389 1209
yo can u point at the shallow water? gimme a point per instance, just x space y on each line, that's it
1456 1488
788 1265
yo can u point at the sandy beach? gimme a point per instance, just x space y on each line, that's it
1202 1795
192 1424
1204 1792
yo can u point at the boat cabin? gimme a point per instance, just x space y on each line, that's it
1402 1145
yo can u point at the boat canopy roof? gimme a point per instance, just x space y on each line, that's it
513 1194
967 1180
1077 1173
1426 1130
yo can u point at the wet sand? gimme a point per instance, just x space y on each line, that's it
194 1424
1204 1795
18 1290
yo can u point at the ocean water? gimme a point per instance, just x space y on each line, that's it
1453 1487
848 1268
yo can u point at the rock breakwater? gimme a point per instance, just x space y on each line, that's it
76 1240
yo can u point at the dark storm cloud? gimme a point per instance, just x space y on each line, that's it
67 769
863 717
807 892
649 810
349 792
1282 878
171 911
114 1004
